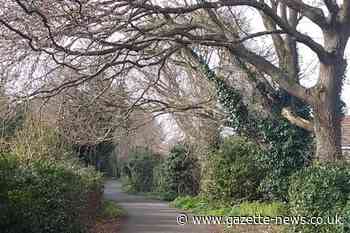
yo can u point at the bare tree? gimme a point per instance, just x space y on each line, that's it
189 98
142 131
119 35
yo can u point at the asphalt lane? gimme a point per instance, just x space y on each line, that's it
150 216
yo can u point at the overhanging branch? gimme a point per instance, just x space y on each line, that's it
323 55
280 77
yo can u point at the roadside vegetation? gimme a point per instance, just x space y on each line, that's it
110 209
233 182
203 206
109 218
220 107
43 185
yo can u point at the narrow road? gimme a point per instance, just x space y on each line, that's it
149 216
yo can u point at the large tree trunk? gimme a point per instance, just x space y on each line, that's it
327 133
327 112
326 105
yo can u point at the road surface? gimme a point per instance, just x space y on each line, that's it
149 216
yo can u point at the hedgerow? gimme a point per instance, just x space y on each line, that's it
46 197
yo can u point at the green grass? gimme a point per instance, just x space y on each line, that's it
271 209
111 209
159 196
163 196
201 205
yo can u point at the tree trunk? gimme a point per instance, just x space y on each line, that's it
327 133
326 104
327 112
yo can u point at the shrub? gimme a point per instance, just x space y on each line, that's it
160 184
235 171
178 174
319 191
44 197
346 217
138 170
37 141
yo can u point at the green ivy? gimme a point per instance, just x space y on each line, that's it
289 147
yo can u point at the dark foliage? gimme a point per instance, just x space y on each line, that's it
178 174
44 197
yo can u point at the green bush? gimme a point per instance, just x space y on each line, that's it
137 170
235 172
319 191
44 197
178 174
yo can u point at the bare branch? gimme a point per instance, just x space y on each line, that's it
297 120
280 77
332 6
259 34
323 55
313 13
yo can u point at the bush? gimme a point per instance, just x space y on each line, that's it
235 173
44 197
137 170
37 141
319 191
178 174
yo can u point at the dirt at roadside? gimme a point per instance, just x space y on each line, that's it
256 229
107 226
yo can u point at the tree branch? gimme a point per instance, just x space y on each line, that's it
258 34
297 120
313 13
279 76
323 55
332 6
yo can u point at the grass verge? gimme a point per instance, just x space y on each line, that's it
202 206
111 209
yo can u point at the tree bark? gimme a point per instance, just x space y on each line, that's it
327 133
326 101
